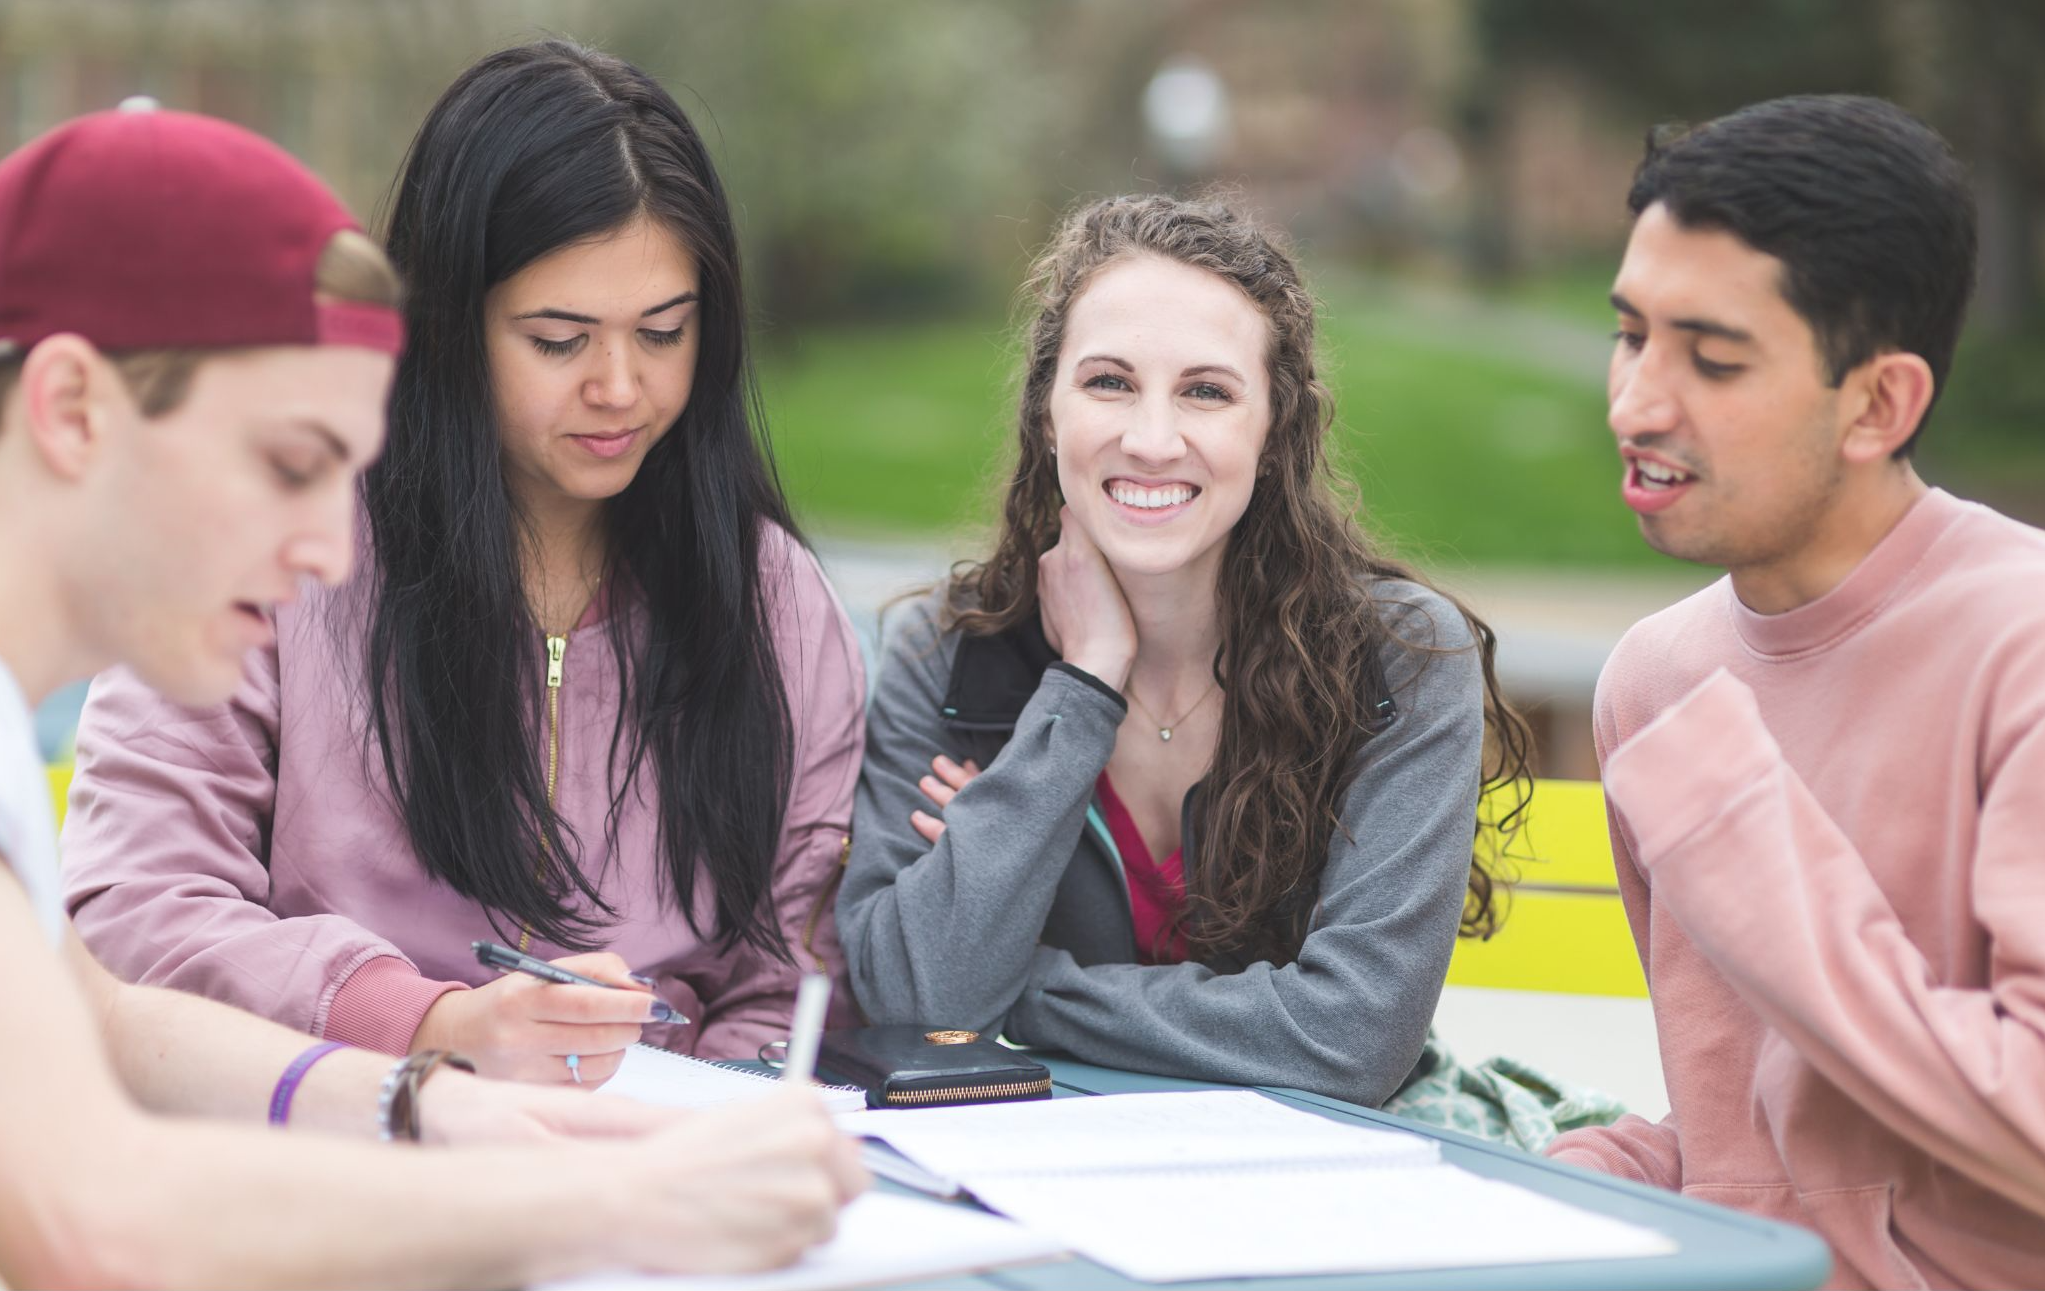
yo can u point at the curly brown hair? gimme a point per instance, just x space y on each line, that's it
1301 629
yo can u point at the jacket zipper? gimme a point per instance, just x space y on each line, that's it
557 651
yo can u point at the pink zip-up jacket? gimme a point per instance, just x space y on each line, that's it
1830 829
250 852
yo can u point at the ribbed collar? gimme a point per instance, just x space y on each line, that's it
1860 596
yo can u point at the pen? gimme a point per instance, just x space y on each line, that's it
491 955
812 997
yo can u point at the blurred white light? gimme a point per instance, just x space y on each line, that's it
1186 108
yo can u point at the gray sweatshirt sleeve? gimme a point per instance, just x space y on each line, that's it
1349 1016
942 935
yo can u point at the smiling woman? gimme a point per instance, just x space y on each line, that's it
1232 754
593 694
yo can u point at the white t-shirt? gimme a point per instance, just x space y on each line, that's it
28 828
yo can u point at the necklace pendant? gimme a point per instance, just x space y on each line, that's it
1165 733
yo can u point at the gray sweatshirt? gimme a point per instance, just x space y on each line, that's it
1018 917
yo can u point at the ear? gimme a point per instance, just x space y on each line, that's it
1894 389
64 385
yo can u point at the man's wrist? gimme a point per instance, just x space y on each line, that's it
448 1102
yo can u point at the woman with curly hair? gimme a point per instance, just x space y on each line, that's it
1232 755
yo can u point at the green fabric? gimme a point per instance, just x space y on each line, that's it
1502 1100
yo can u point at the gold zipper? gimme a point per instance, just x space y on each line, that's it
557 651
816 910
972 1093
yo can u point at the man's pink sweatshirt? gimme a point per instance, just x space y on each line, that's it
1830 834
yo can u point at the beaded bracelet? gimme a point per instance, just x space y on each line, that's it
397 1100
287 1084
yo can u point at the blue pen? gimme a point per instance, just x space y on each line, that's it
491 955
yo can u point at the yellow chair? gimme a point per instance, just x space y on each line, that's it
1566 929
60 787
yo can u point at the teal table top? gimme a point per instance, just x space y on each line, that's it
1719 1248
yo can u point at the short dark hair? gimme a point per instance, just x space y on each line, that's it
1865 205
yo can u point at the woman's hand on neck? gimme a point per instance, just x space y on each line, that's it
1086 619
1162 627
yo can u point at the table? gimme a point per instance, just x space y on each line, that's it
1720 1248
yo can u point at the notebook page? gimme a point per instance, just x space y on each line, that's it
1309 1219
882 1239
1121 1132
667 1079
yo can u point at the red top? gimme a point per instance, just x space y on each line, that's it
1157 889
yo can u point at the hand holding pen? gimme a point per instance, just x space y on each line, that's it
528 1024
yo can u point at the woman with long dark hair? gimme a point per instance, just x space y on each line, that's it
588 692
1232 754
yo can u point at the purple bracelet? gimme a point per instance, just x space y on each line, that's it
287 1084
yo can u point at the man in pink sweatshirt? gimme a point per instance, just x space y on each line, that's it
1826 772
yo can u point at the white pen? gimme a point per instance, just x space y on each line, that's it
812 998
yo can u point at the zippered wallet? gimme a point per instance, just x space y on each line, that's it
913 1066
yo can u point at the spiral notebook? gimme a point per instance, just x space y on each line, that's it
667 1079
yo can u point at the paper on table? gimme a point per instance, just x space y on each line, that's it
882 1238
1122 1132
1310 1219
650 1075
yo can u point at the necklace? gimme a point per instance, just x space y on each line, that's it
1164 728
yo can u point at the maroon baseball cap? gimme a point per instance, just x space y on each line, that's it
142 228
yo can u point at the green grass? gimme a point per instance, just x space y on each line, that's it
1581 291
1467 458
890 430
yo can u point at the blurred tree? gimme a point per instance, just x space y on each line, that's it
1972 67
883 153
1674 60
1968 66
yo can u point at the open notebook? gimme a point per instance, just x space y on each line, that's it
665 1079
1115 1177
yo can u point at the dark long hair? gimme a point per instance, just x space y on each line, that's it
1301 629
531 150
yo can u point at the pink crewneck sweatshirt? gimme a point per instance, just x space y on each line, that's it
1830 834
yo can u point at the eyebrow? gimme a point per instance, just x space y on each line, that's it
1701 326
567 316
1196 370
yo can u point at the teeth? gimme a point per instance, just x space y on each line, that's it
1131 495
1654 473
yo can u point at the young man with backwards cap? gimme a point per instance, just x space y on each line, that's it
196 342
1826 772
